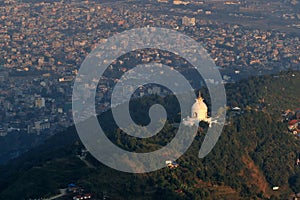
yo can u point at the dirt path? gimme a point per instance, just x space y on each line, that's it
63 192
256 177
88 164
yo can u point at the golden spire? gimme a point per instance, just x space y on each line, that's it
199 96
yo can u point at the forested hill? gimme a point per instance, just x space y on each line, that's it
255 153
272 92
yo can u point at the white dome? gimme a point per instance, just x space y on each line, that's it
199 110
199 113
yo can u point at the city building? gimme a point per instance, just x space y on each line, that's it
187 21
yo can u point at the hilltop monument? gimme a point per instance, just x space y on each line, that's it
198 113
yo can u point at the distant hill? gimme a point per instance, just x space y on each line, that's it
255 152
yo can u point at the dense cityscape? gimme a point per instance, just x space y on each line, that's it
44 43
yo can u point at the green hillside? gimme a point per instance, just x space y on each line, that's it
255 152
274 92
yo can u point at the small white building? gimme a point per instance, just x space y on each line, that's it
171 164
275 188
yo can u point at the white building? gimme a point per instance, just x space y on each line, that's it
198 113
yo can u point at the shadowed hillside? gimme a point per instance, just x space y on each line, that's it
255 153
